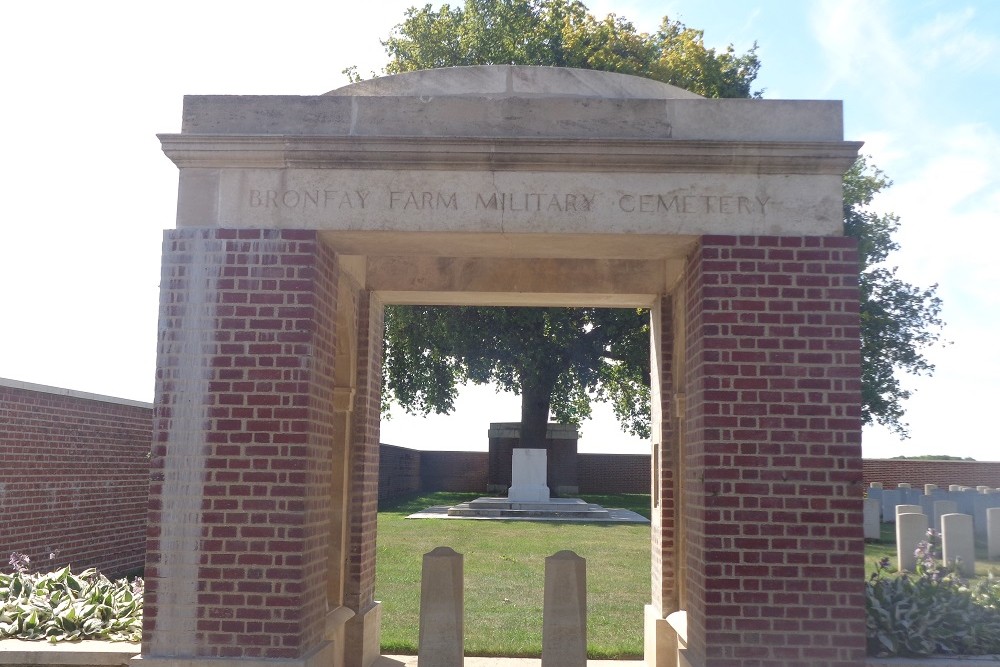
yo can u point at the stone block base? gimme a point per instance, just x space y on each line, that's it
322 656
659 640
361 636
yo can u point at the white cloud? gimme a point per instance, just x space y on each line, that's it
952 41
859 46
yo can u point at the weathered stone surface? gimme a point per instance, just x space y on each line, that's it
911 530
564 619
942 507
528 469
442 638
873 515
958 543
993 533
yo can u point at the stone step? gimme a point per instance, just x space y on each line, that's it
556 507
566 514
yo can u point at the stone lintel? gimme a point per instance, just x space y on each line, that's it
514 117
553 432
509 154
567 276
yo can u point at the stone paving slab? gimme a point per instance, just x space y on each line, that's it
614 516
87 653
471 661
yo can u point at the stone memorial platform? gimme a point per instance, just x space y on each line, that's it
553 507
556 509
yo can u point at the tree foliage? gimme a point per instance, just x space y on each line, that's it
562 33
557 359
899 320
561 358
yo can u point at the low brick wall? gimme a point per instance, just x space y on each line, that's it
891 472
614 473
454 471
74 477
398 471
403 471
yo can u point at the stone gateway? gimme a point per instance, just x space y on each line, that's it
299 218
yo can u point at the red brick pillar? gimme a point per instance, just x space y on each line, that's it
774 540
239 501
362 630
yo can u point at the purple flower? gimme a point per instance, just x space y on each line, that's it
19 562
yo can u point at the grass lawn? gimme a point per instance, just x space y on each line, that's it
504 564
504 569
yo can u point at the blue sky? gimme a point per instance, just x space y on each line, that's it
87 191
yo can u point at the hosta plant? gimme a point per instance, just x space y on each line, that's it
62 606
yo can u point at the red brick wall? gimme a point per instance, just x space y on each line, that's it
773 453
74 478
917 473
398 471
613 473
403 471
454 471
241 465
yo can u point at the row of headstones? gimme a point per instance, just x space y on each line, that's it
958 545
974 501
564 612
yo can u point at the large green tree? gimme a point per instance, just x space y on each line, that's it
558 359
899 320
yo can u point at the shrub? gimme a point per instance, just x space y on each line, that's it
62 606
931 611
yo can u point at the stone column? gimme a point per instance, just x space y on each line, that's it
564 618
773 451
241 458
362 631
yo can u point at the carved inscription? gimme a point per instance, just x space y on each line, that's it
534 201
632 203
308 199
707 204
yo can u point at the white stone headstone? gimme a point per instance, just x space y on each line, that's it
993 533
528 476
441 640
911 530
958 544
873 514
942 507
564 618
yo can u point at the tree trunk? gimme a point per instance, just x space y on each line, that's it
535 399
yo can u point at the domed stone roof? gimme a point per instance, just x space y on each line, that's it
515 81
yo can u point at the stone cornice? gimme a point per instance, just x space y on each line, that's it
508 154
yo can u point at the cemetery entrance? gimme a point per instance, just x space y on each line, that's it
299 218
